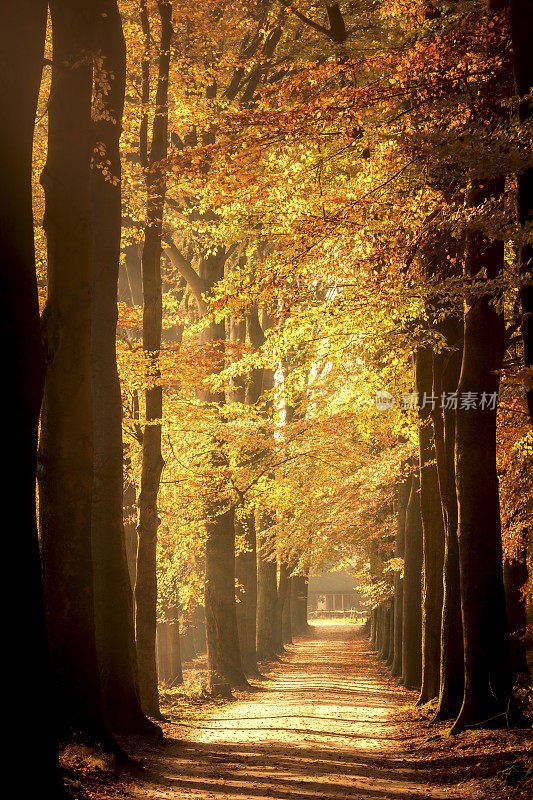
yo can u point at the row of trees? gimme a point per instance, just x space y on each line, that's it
296 205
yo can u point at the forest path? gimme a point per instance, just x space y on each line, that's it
319 730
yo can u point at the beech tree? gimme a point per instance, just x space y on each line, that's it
152 161
66 441
23 26
488 686
412 597
113 600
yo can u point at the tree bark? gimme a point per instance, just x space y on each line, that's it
169 652
283 590
433 532
66 445
246 574
286 617
446 371
224 658
390 647
23 26
223 653
152 459
412 594
115 637
198 628
130 535
403 499
386 610
223 650
515 575
246 561
488 690
373 628
299 604
267 592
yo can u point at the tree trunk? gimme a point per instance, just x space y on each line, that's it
198 628
267 592
115 637
246 574
433 532
130 534
23 25
403 499
169 653
223 650
381 629
445 379
223 654
390 648
386 610
286 616
412 596
373 628
515 574
521 27
66 446
283 590
152 459
245 561
488 690
299 604
225 666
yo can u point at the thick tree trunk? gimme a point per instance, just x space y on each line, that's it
386 610
223 653
23 26
267 592
379 632
488 690
433 532
66 446
299 604
223 650
515 574
267 581
225 665
115 637
286 616
245 561
412 591
152 459
403 499
390 648
521 27
169 653
373 628
130 534
375 612
198 628
283 590
246 574
445 379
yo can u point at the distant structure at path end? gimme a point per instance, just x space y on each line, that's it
333 593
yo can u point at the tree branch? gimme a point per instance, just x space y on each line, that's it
303 18
187 271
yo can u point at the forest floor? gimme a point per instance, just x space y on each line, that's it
327 724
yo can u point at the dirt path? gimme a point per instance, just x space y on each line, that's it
319 730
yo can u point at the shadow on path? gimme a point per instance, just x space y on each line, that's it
322 731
